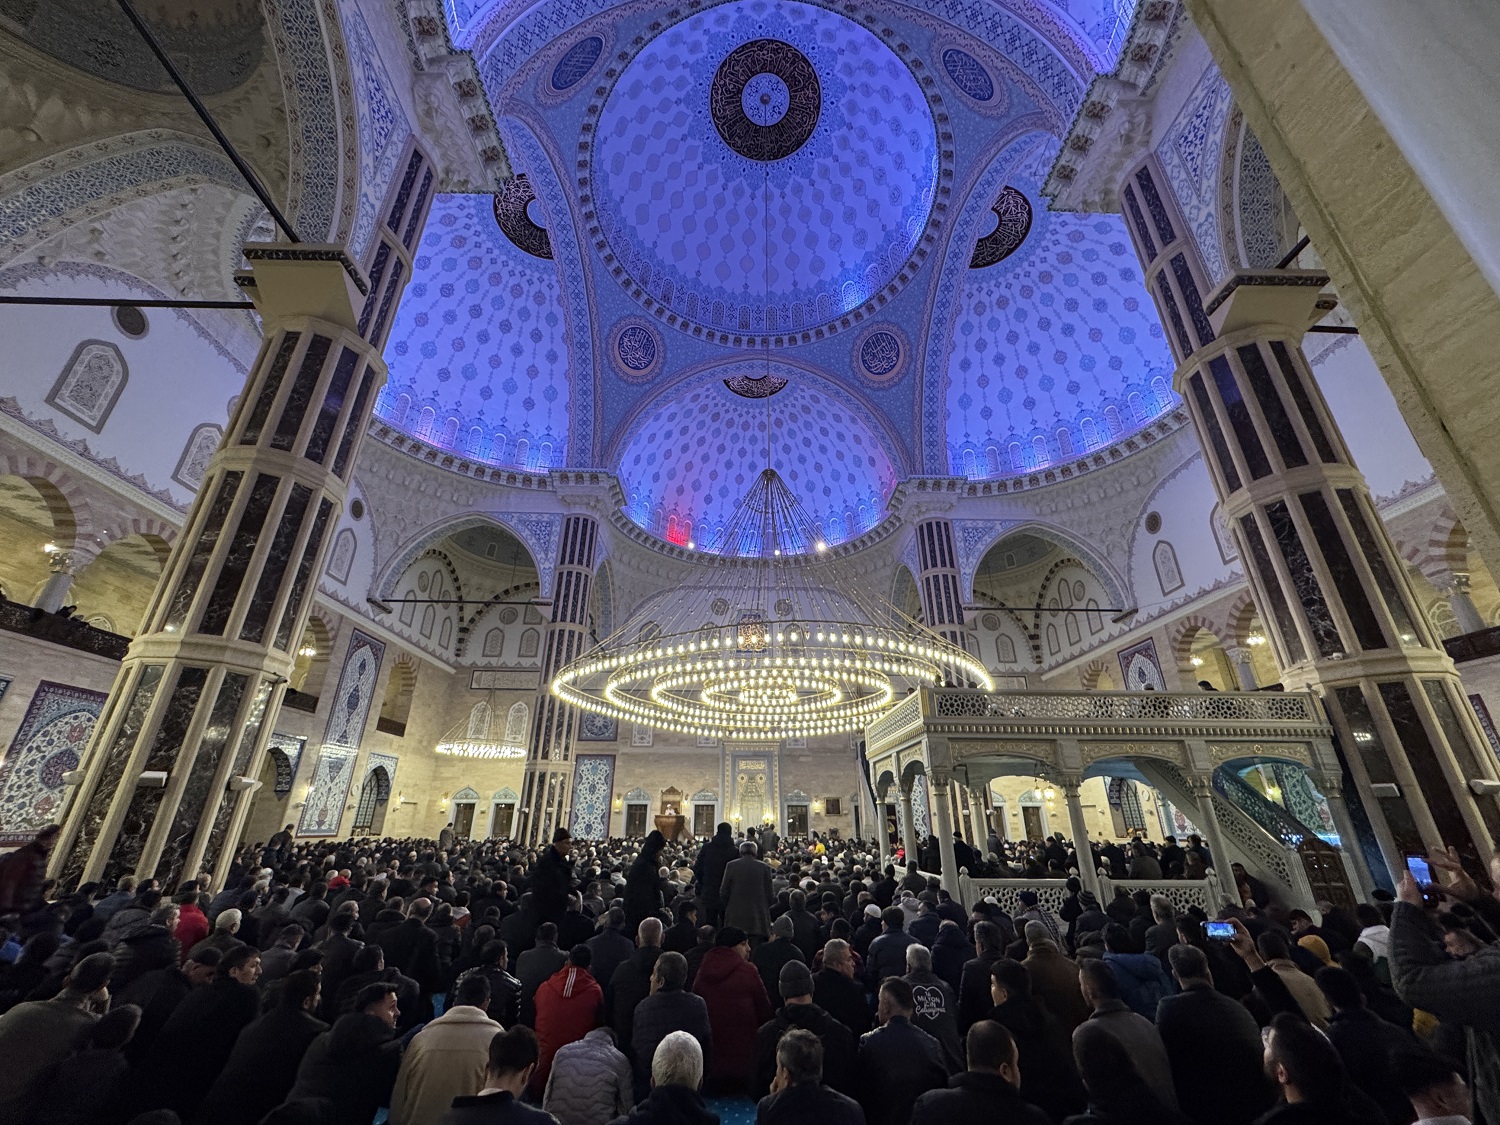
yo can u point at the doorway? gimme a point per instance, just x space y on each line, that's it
703 820
463 819
796 820
502 819
1031 815
635 821
369 814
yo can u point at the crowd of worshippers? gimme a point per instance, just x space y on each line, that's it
639 982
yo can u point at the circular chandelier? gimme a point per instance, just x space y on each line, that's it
472 737
776 639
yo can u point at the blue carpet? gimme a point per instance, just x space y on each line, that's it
733 1111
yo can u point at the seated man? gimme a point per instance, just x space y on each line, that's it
797 1095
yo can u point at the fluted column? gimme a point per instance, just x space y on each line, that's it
1338 608
1072 787
941 587
167 778
547 789
939 787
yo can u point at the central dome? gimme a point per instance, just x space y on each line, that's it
762 170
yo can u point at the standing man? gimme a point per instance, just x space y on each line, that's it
447 838
708 872
552 880
746 894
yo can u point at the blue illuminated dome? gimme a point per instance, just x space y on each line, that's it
762 168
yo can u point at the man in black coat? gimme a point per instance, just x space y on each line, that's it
837 992
1366 1043
1213 1044
552 879
146 950
708 872
158 993
805 926
669 1008
339 949
898 1062
610 947
990 1090
351 1069
800 1012
412 947
887 956
798 1094
770 956
1049 1078
974 1000
534 967
264 1062
630 983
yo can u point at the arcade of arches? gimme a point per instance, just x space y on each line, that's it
1065 350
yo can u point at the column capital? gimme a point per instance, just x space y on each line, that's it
61 562
1238 654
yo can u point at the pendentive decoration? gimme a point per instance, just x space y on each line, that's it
512 212
757 386
765 99
1013 210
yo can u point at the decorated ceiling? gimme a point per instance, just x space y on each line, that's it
768 232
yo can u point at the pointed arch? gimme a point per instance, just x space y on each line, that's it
1087 554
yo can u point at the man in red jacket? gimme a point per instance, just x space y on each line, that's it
569 1005
737 1005
192 923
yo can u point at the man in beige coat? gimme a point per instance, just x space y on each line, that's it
446 1059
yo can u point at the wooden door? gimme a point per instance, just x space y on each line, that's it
1032 815
703 820
635 821
796 820
502 820
463 818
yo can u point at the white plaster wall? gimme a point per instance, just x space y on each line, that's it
1185 502
1367 414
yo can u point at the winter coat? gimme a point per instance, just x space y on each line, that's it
643 898
194 1044
568 1006
1044 1055
670 1105
443 1061
138 954
839 1047
1142 980
590 1083
261 1069
805 933
746 894
809 1103
412 947
656 1017
533 969
551 880
22 874
628 986
611 949
974 1002
1136 1034
1054 981
887 957
708 871
351 1069
737 1006
1365 1043
975 1096
35 1037
495 1109
950 953
937 1014
84 1090
1214 1048
768 958
897 1064
192 927
1304 990
842 998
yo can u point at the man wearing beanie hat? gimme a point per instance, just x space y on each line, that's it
799 1011
37 1035
770 956
552 879
737 1006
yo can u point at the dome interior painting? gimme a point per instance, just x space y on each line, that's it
692 456
1056 350
478 355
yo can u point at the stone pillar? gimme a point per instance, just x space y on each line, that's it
941 587
1333 594
882 841
167 779
939 788
1203 791
1244 670
1088 875
1332 788
977 820
908 825
547 789
54 594
1454 586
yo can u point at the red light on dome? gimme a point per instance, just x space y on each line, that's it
677 531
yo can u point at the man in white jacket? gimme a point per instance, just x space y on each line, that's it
447 1058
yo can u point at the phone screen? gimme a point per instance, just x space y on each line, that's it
1218 931
1420 869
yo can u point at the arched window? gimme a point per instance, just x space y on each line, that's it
1039 449
971 464
523 447
531 643
1053 645
517 724
1137 406
1112 420
992 457
1065 442
429 618
1005 649
480 716
1168 572
1090 430
341 558
494 642
1095 618
1017 458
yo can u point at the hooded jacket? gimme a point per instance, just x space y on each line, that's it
839 1047
351 1069
737 1006
569 1005
1142 980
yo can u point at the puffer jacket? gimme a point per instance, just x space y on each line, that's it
1142 980
590 1081
151 948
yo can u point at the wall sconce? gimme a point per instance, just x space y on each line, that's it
49 548
443 803
817 807
619 802
1196 661
1050 794
241 784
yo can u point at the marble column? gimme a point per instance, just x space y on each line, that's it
1339 610
1244 670
1088 875
1332 788
1203 791
939 788
882 840
547 788
167 779
54 594
908 825
1454 586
